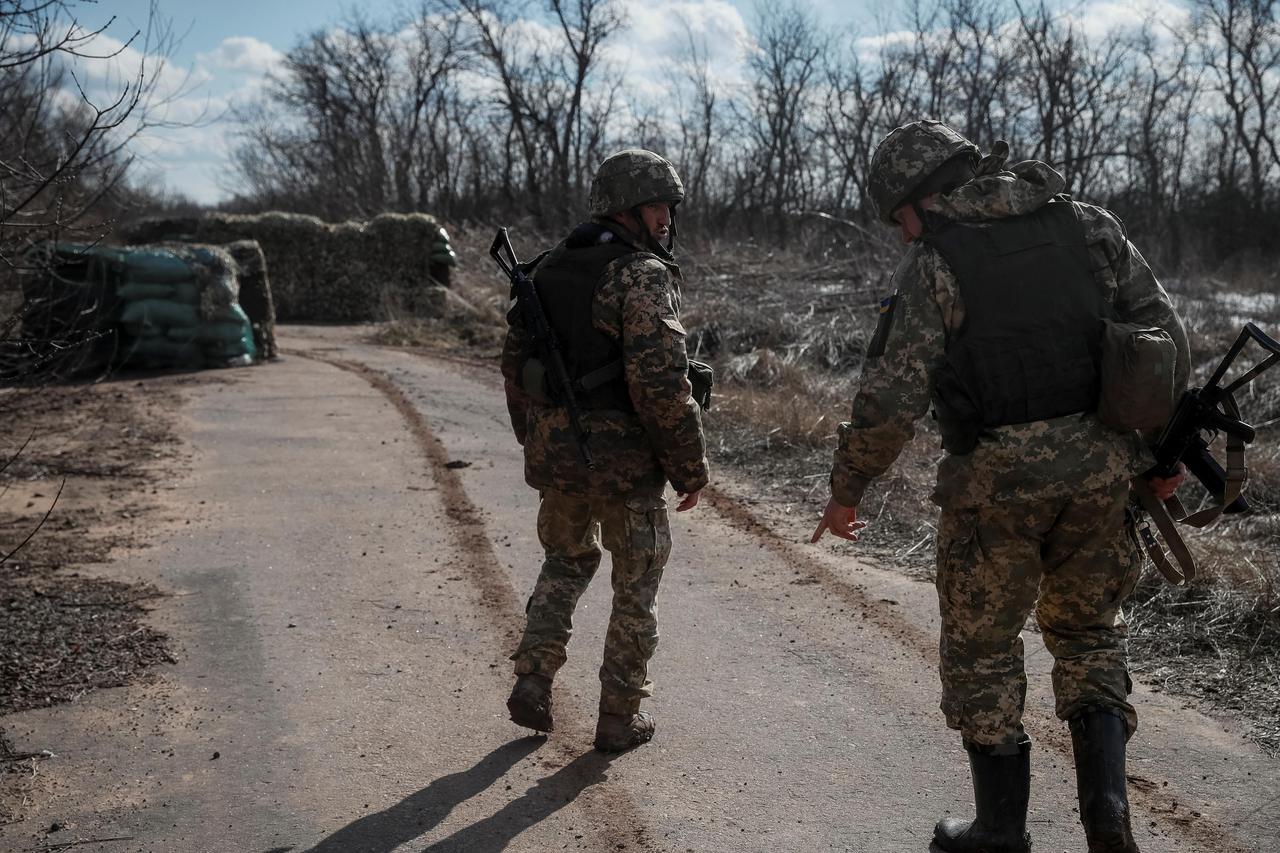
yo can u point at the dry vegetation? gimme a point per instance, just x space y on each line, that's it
786 332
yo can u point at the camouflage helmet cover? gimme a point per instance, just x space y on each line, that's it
906 157
634 177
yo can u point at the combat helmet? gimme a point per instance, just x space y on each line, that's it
631 178
907 157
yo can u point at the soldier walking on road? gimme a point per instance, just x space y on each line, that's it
611 292
995 320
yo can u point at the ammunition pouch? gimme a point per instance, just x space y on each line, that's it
1137 377
701 377
533 381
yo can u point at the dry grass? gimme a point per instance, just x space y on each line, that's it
786 333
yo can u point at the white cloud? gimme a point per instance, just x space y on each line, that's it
244 54
657 39
1103 18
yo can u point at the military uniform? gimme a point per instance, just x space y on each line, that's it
998 544
644 432
1033 516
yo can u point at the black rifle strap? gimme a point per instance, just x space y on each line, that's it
1168 531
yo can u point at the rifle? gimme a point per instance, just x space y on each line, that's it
1201 414
545 343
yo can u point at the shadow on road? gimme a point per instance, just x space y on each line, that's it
419 812
544 799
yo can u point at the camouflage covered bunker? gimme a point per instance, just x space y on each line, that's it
344 272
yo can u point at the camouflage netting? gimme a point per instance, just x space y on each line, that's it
344 272
255 294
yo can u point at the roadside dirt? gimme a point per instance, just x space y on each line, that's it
84 471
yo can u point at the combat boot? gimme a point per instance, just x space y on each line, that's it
1098 740
1001 790
620 732
530 702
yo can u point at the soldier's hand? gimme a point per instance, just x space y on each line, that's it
687 501
1164 487
841 520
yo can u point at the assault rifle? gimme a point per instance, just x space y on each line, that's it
543 337
1207 411
1202 413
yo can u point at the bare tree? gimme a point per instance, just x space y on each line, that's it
63 164
786 63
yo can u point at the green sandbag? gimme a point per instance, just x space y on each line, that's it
161 352
224 332
156 266
136 291
159 312
182 333
229 337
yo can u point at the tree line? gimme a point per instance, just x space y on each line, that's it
466 109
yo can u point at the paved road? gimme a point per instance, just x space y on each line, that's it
351 582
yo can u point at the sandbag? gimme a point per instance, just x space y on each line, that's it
159 312
155 266
187 292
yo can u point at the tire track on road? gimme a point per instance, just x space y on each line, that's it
617 812
1164 804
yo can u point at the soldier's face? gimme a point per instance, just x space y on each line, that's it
657 219
908 223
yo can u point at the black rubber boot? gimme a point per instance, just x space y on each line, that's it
1098 739
1001 790
530 703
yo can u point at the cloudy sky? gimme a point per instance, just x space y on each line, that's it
226 47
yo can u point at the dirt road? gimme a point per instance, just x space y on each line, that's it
350 584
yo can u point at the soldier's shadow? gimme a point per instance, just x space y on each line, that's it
418 813
544 799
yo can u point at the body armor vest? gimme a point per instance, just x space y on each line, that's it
1028 348
566 280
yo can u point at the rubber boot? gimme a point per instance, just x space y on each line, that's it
620 732
1098 740
530 703
1001 790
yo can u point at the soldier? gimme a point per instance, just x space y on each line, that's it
611 291
995 319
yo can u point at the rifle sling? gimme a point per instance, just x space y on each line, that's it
1169 531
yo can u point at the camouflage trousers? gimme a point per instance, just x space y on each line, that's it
1073 562
636 533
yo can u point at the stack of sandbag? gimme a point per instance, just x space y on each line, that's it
178 308
343 272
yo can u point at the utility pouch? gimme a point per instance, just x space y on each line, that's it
1137 377
701 377
533 381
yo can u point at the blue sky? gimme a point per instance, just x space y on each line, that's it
228 47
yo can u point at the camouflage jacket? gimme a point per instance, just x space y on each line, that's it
637 303
1019 462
